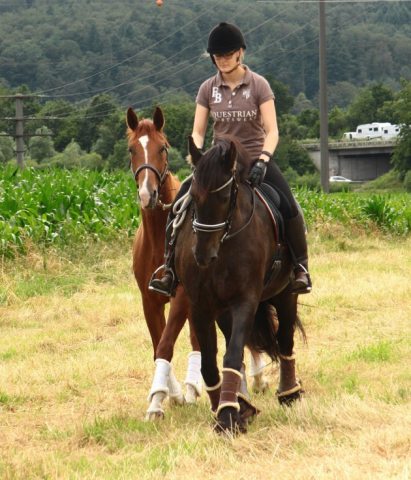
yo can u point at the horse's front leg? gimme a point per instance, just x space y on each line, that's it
228 413
247 409
205 330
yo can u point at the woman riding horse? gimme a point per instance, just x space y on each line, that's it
241 103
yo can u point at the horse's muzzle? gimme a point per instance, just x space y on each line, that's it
148 199
204 259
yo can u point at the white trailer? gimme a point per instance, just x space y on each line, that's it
369 131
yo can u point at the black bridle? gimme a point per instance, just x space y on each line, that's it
203 227
161 177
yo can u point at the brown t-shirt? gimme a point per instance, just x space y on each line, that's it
237 112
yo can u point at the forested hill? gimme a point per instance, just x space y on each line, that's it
138 51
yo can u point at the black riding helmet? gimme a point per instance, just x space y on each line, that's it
225 38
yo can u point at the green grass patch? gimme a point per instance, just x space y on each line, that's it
117 431
382 351
45 284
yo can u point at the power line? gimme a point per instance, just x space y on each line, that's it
133 56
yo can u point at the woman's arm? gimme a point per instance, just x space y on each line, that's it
269 118
200 125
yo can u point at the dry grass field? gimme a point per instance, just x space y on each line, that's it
76 367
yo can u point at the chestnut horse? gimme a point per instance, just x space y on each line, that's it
156 190
224 253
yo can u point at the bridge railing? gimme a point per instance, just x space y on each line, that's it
358 144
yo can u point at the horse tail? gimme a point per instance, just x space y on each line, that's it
262 338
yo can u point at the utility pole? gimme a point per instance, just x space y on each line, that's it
19 119
325 169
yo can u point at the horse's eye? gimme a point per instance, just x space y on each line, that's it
130 150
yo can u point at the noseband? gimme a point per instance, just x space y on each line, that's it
202 227
161 177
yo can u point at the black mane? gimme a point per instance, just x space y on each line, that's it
211 167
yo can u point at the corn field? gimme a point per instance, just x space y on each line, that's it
61 207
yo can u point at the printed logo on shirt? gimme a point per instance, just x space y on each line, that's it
216 95
246 94
236 115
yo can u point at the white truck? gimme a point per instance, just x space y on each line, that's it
369 131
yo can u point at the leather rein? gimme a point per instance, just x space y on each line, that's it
202 227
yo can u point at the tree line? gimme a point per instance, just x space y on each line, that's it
94 135
140 52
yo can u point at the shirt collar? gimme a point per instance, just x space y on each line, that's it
246 79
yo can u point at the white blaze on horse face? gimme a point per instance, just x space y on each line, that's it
144 191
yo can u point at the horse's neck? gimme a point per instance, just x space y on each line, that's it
170 189
154 221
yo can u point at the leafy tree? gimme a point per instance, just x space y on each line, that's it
310 118
41 147
289 154
337 123
402 153
65 123
283 100
100 107
365 107
119 159
176 160
341 94
6 149
301 103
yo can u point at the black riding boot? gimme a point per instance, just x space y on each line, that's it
167 284
295 234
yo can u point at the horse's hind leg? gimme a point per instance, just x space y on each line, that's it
193 381
289 388
256 372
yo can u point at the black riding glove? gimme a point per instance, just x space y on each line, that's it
257 173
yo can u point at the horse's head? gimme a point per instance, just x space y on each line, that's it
148 155
214 191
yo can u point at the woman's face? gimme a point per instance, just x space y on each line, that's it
227 61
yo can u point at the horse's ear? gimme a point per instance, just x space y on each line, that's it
132 120
158 119
195 153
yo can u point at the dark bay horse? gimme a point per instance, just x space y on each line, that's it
224 251
156 189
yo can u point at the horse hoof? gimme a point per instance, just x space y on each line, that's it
191 395
179 400
247 410
291 396
154 416
260 387
229 423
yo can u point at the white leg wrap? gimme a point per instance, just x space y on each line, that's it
193 376
155 407
175 390
161 376
257 367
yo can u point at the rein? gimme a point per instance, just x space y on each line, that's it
203 227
